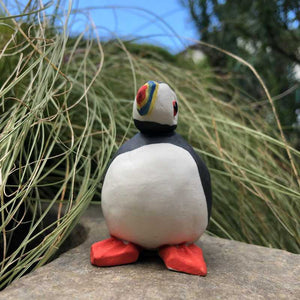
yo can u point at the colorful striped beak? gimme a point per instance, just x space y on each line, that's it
146 97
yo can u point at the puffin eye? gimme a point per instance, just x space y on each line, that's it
175 108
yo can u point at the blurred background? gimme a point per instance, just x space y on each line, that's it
264 33
69 73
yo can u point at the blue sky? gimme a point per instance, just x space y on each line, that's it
137 19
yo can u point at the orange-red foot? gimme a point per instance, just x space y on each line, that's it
113 252
184 258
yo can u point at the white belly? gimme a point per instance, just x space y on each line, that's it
153 196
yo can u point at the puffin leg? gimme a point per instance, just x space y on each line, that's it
113 252
184 258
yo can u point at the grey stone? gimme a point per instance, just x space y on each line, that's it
235 271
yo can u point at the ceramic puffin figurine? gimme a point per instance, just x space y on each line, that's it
156 192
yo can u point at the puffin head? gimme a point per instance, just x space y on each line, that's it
155 108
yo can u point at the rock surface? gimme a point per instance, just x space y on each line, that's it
235 271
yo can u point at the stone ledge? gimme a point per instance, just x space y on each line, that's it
235 271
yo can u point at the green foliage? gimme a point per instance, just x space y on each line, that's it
150 51
66 105
265 33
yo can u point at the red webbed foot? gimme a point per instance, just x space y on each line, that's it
184 258
113 252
